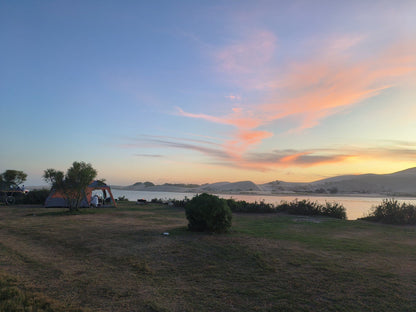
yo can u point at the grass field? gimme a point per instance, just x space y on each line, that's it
117 260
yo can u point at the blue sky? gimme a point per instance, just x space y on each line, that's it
192 91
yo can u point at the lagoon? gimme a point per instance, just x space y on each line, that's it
356 206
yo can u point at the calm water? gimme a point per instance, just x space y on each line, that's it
356 207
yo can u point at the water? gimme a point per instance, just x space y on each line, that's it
355 206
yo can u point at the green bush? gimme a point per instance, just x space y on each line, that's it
207 212
243 206
180 203
334 210
36 197
310 208
296 207
391 212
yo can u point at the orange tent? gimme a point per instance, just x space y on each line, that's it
57 199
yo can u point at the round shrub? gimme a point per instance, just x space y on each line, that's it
207 212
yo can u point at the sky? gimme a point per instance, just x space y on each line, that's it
208 91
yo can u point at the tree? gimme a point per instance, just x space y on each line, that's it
12 178
73 183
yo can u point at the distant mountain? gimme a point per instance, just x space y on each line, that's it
402 183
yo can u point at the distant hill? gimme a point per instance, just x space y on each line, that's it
402 183
398 183
227 187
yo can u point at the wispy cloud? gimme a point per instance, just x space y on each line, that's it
214 152
246 56
319 157
233 97
306 91
151 141
296 158
279 158
149 155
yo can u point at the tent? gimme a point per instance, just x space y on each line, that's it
57 199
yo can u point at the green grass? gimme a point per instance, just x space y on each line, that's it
115 259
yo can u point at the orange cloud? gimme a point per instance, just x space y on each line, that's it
243 141
294 158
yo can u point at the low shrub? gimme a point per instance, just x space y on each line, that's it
302 207
310 208
36 196
334 210
390 211
243 206
207 212
180 203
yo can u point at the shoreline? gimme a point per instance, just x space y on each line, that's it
249 193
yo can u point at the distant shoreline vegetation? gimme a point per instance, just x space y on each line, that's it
295 207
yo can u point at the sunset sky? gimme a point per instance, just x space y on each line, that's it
208 91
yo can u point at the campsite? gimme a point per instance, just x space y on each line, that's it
116 259
204 156
96 189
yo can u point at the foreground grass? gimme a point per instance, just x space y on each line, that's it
117 260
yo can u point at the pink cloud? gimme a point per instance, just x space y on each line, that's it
238 118
244 140
307 92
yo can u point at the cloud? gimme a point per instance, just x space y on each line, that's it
201 146
296 158
334 78
244 139
149 155
279 158
233 97
247 55
318 157
218 153
238 118
169 138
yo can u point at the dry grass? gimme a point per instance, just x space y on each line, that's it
117 260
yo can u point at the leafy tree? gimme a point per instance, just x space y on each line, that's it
73 183
12 178
207 212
